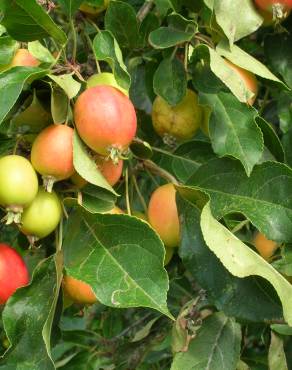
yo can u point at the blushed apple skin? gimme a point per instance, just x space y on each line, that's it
105 119
163 215
111 172
52 152
78 291
22 58
264 246
181 121
42 216
13 272
105 78
248 79
19 182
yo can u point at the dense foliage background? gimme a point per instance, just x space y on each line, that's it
219 305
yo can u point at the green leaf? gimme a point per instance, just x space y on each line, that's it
149 24
282 329
278 50
257 197
233 130
252 298
40 52
170 81
287 144
28 317
246 61
121 21
179 30
60 105
284 105
237 18
242 261
85 165
27 21
106 48
277 358
67 83
97 200
12 83
120 256
70 6
145 331
216 346
8 47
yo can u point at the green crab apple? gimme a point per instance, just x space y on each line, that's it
105 78
18 185
52 154
163 215
13 272
180 121
42 216
93 10
106 120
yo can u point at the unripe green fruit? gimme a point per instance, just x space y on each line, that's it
18 183
181 121
105 78
42 216
92 10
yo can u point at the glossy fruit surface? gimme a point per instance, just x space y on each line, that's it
105 78
87 8
247 78
264 246
268 4
18 181
52 152
22 58
180 121
13 272
105 119
112 172
163 215
42 216
78 291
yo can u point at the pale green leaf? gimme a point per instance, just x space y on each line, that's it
277 357
67 83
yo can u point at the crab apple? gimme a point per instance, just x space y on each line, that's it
247 78
22 58
18 185
180 121
13 272
78 291
271 5
163 215
93 10
105 78
106 120
115 211
111 172
52 154
264 246
42 216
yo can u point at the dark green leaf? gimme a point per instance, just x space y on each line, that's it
70 6
8 47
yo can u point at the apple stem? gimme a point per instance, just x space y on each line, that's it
48 182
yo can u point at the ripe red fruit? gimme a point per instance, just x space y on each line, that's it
163 215
52 154
111 171
13 272
105 119
269 4
78 291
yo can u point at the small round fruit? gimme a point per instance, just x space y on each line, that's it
22 58
105 78
13 272
269 5
163 215
264 246
247 78
93 10
181 121
168 255
78 291
52 154
111 172
105 119
18 184
42 216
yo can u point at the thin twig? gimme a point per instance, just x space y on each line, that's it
127 193
159 171
140 196
144 10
